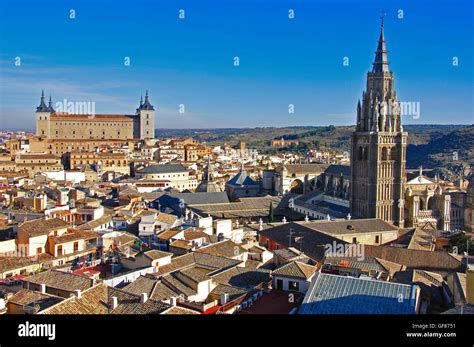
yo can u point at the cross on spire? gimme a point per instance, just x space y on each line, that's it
382 16
381 60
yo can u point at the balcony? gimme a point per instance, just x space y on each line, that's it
91 244
427 214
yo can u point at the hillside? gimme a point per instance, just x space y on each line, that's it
431 146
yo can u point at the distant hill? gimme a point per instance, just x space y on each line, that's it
450 151
431 146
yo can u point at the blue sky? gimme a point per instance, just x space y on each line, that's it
190 61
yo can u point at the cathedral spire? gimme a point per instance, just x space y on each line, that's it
378 167
381 59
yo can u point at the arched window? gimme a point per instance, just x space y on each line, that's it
393 153
361 151
384 153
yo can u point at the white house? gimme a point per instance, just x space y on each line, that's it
294 276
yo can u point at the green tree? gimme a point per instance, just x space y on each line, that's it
270 212
460 241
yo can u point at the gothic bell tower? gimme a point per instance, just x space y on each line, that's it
378 154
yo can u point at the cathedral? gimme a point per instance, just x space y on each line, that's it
378 152
83 126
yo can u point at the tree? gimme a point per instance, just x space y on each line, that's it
460 242
270 212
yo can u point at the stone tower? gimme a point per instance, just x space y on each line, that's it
378 153
146 119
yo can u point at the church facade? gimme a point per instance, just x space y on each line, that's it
378 154
66 126
427 207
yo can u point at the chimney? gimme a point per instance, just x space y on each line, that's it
113 302
173 301
143 298
224 299
78 293
42 288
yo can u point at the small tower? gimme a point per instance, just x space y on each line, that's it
146 119
50 105
42 117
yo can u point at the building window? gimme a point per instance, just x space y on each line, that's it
293 285
60 250
39 250
377 239
76 246
354 240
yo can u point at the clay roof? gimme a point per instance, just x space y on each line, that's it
439 261
227 248
92 118
60 280
166 218
13 263
74 235
157 254
242 277
96 301
295 269
43 226
32 298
